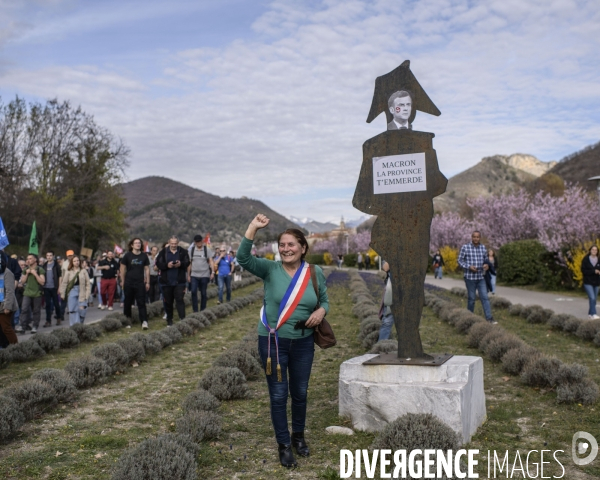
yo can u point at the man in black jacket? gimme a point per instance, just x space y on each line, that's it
173 262
53 274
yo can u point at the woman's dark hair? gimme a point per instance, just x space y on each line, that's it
130 244
298 235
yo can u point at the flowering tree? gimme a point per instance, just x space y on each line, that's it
337 246
449 229
567 221
504 218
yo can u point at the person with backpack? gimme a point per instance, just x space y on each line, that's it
33 279
201 271
438 264
224 265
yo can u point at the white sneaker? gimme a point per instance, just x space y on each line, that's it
101 307
34 330
165 316
110 309
19 329
591 317
144 325
595 317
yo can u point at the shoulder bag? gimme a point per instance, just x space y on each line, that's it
323 335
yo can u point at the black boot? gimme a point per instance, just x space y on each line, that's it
286 457
299 444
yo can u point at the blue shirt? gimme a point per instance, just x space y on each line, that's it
472 255
225 265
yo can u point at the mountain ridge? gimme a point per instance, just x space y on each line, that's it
158 207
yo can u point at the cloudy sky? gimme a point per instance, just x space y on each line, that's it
269 99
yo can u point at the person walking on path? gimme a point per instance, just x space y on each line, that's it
293 348
8 301
109 267
590 267
471 259
173 262
359 260
385 312
154 292
200 271
135 278
53 276
33 279
85 265
98 280
438 264
76 288
367 261
490 274
225 266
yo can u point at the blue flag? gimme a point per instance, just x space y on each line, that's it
3 237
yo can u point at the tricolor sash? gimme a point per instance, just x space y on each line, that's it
288 305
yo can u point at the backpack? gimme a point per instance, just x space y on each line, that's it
205 255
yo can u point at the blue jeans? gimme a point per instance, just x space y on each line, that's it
295 358
438 272
493 282
77 309
386 327
225 280
480 286
202 283
592 293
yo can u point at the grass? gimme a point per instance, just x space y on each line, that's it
83 440
521 417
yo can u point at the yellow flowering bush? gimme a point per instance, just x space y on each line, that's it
574 264
328 258
450 256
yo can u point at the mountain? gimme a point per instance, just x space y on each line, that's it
312 226
357 221
491 176
158 207
579 166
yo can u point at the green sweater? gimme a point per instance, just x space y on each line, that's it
277 281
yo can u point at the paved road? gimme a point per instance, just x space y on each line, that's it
94 315
560 304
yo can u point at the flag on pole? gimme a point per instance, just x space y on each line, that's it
207 239
146 247
33 243
3 237
118 249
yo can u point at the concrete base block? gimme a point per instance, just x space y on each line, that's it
374 395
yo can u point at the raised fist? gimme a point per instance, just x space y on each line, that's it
260 221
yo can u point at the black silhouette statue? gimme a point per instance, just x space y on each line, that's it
401 232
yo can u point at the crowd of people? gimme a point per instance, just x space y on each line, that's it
69 285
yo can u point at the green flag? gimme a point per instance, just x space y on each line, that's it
33 243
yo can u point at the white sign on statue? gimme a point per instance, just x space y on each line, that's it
399 173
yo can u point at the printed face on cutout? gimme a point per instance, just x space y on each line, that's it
402 109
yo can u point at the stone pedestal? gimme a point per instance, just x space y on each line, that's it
374 395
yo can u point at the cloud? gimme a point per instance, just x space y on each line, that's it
281 115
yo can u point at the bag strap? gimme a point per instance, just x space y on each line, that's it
192 254
315 282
